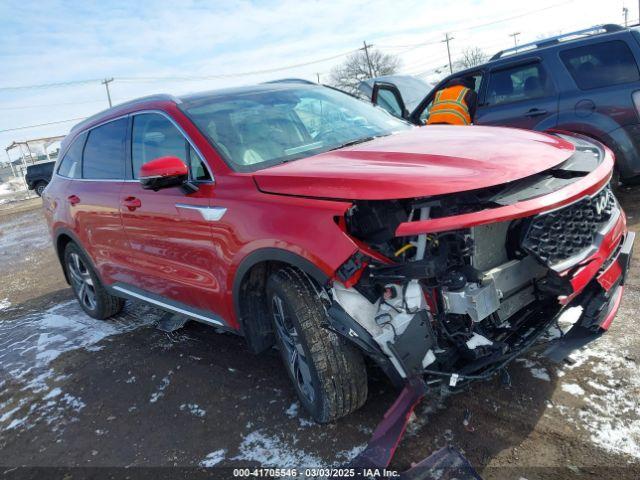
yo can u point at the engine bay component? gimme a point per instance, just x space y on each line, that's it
477 301
398 322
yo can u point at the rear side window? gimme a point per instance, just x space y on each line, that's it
155 136
70 164
104 152
601 64
523 82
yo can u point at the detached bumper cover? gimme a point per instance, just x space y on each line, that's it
600 302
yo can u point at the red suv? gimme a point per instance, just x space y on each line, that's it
298 216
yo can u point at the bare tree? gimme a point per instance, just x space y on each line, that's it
471 57
348 75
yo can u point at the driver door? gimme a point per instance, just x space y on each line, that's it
387 96
171 251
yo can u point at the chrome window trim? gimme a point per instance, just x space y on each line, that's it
187 138
125 180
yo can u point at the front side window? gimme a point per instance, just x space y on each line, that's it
388 101
104 151
524 82
254 130
70 163
154 136
601 64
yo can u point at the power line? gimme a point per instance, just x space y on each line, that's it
270 70
180 78
25 127
50 85
45 105
481 25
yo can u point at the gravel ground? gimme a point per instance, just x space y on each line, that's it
76 392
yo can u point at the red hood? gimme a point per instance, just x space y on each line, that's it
418 163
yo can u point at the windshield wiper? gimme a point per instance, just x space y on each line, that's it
357 141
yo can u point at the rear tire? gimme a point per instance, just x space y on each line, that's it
328 373
91 294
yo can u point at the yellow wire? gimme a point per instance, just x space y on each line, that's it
404 249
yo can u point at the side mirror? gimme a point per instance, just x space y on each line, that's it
163 172
387 96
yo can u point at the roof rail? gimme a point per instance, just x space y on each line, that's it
149 98
595 30
291 80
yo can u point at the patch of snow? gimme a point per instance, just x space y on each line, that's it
193 409
28 346
13 185
536 370
4 304
159 393
214 458
304 423
52 394
348 455
612 414
573 389
271 451
292 411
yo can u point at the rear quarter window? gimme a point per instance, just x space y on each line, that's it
601 64
104 151
70 163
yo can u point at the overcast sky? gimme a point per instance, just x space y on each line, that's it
139 43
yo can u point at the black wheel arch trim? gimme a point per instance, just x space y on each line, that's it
274 255
66 232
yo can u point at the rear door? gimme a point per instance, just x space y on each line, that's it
603 76
93 196
521 95
169 231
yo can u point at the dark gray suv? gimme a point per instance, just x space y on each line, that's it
586 82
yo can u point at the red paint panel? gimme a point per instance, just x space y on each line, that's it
419 162
585 186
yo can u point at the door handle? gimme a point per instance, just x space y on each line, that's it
535 112
132 203
73 199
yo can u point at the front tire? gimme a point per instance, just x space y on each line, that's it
91 294
328 373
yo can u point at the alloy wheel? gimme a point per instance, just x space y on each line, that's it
297 362
81 281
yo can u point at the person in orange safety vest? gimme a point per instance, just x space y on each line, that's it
455 103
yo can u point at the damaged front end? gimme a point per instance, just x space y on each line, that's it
453 305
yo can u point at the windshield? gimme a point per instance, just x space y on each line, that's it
254 130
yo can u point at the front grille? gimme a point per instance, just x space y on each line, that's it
560 235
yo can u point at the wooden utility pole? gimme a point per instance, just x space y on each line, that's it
447 39
106 83
366 52
515 39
